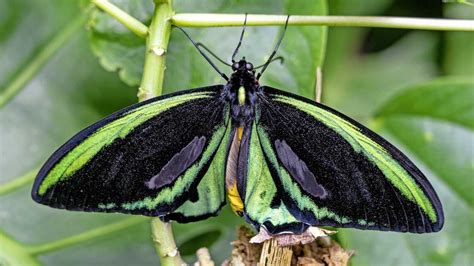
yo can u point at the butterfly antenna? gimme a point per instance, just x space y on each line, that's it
212 54
203 54
274 50
278 58
240 40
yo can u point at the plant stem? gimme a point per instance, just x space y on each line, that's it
151 86
18 182
164 243
225 20
229 20
88 235
123 17
319 84
14 253
156 49
40 59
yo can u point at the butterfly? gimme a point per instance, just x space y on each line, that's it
283 162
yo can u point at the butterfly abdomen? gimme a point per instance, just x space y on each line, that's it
233 195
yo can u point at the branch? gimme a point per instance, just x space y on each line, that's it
85 236
18 182
123 17
226 20
165 245
14 253
156 49
229 20
273 254
151 86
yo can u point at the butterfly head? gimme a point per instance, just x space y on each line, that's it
243 66
243 75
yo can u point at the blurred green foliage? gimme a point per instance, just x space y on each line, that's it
415 88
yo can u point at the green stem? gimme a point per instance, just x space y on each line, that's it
82 237
165 245
229 20
225 20
151 86
14 253
123 17
156 49
39 60
459 2
18 182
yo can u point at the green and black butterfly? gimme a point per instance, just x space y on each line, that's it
284 162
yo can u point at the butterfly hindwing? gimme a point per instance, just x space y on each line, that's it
259 191
147 159
210 190
330 170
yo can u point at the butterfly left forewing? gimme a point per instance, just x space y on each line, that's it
333 171
147 159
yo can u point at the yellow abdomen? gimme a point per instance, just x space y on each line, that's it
235 200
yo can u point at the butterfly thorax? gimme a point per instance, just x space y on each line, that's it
240 91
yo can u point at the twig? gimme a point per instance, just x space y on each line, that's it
13 252
323 251
156 46
85 236
151 86
204 258
123 17
164 243
226 20
274 254
18 182
221 20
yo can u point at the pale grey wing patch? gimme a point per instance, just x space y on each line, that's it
178 164
299 170
232 159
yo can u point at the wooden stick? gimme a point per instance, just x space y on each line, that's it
273 254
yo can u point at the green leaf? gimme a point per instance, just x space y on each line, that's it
434 124
425 121
358 84
66 91
362 83
120 50
117 48
296 74
70 90
447 100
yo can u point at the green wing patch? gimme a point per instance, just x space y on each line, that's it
211 189
261 191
